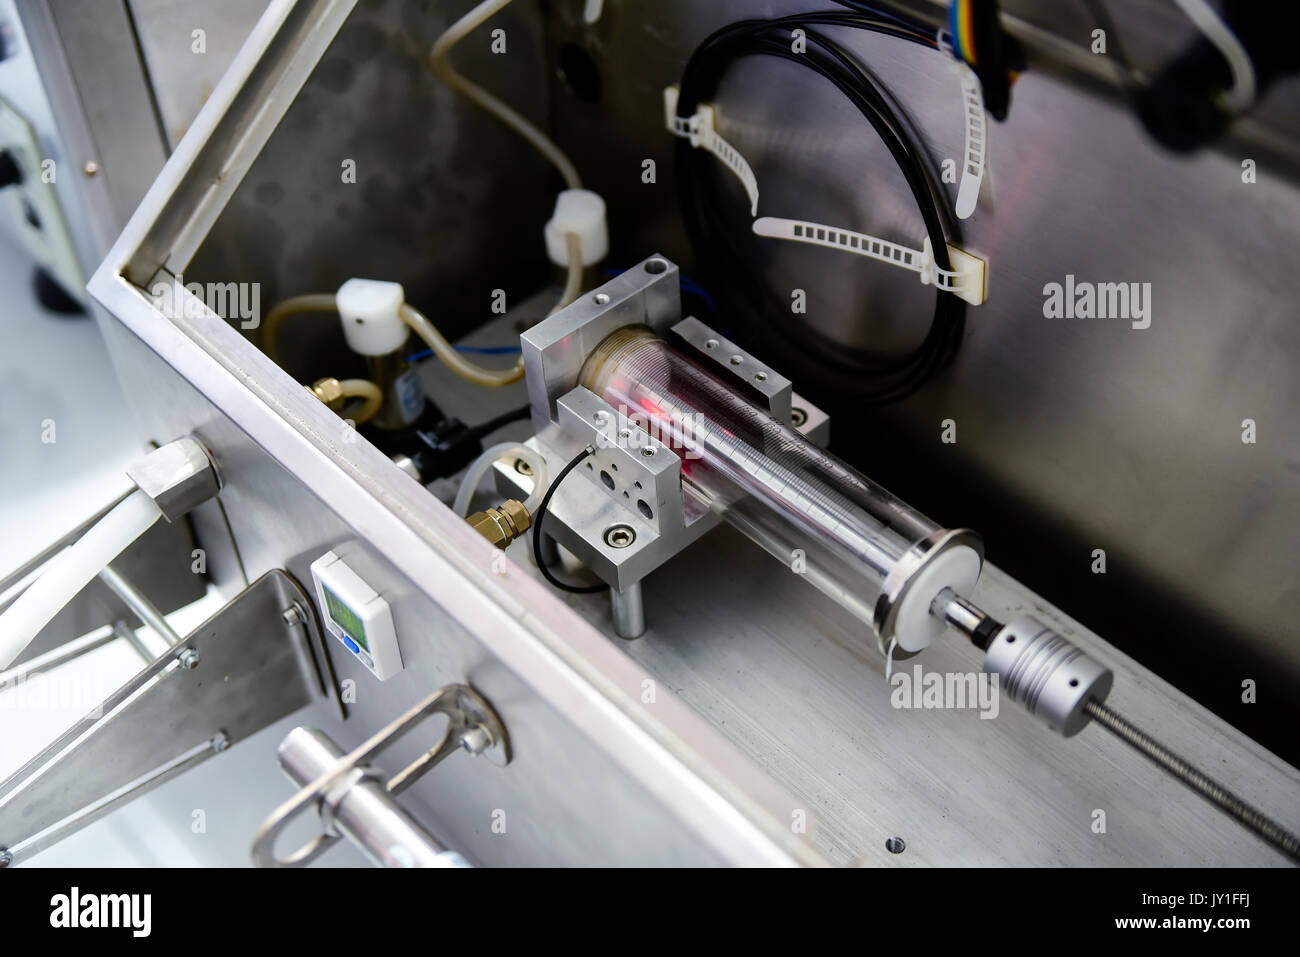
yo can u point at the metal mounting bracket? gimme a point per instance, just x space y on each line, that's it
249 665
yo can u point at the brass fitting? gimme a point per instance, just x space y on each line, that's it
503 524
330 391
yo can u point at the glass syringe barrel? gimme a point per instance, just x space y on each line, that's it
736 457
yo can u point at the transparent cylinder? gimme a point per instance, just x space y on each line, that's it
778 488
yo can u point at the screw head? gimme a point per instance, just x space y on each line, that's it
476 740
292 616
189 659
522 467
220 742
91 168
6 857
620 536
798 416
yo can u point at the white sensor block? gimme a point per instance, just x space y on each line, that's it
356 615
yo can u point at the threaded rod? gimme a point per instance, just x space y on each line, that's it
1206 786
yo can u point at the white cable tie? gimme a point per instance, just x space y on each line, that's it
976 151
701 130
967 280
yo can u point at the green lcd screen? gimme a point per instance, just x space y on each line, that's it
346 618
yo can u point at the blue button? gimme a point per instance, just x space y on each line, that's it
352 645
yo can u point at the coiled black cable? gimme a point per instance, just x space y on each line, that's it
868 376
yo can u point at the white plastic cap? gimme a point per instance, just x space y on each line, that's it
368 308
583 212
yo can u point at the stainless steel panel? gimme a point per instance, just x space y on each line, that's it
186 46
1073 435
796 682
693 798
602 776
104 106
585 786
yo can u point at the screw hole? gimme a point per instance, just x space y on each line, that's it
895 845
1074 682
760 376
600 299
656 266
644 509
711 344
1011 639
736 360
607 479
648 451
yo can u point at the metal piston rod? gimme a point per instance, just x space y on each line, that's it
1058 681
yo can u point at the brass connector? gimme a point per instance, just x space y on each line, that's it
503 524
330 391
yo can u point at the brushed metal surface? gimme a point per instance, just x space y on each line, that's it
796 682
186 46
103 106
783 679
1073 435
692 797
563 798
789 678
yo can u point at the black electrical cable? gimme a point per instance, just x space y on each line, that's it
540 515
933 353
863 374
491 425
879 12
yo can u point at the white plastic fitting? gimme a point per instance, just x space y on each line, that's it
370 311
582 212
